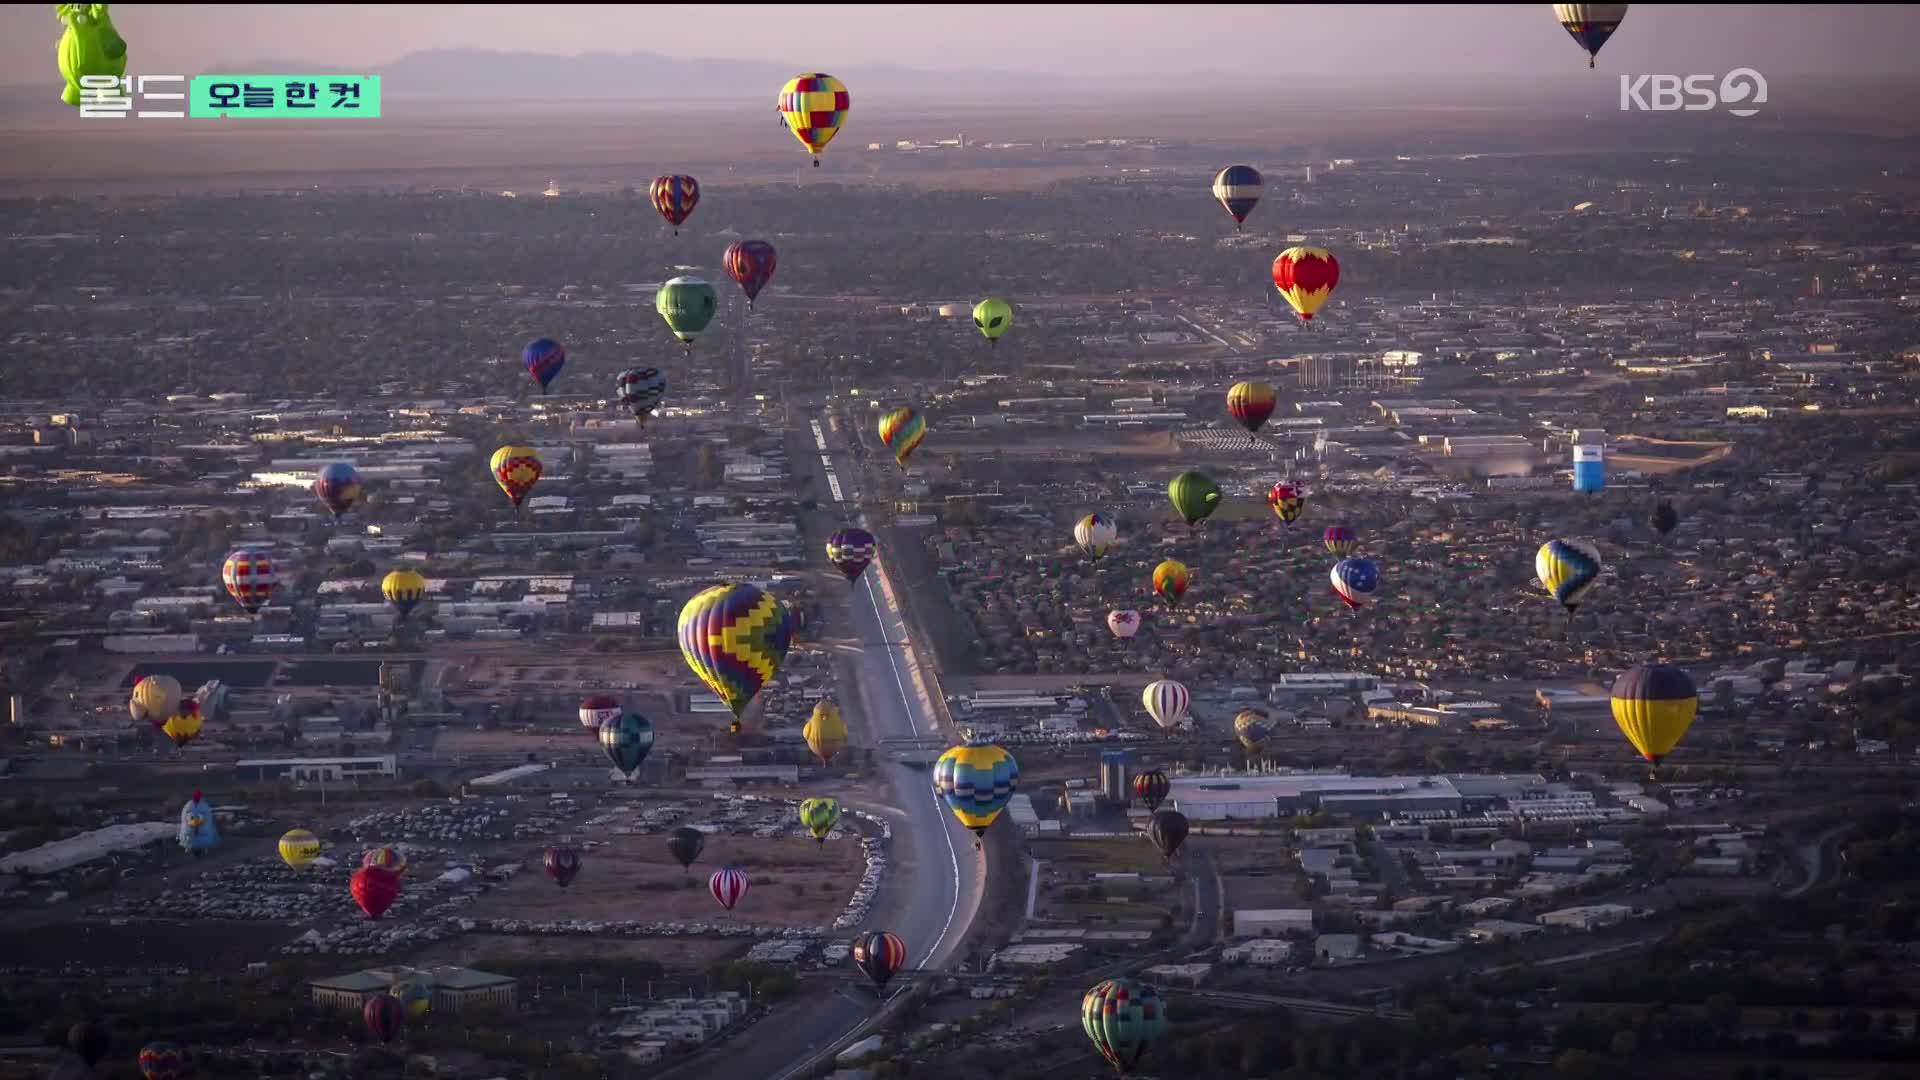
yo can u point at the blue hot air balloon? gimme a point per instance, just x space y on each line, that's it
544 359
197 829
627 741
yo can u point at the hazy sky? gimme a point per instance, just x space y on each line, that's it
1271 39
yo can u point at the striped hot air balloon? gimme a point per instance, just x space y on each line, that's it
516 469
1590 24
1250 403
1341 540
1123 1018
640 391
1306 276
728 885
878 954
386 858
1238 188
1170 581
1095 533
901 431
735 638
250 578
1567 570
751 263
977 782
675 197
1152 787
337 486
385 1015
814 106
163 1061
1355 581
1166 701
1654 704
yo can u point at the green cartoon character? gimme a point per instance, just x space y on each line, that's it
91 46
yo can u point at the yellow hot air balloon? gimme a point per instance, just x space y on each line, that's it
819 816
404 590
1654 705
516 469
1253 729
184 726
153 697
813 106
825 732
299 848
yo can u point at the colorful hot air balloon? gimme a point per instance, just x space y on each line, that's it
597 709
627 741
415 994
993 316
1166 701
1654 705
1194 496
1152 787
1355 581
155 699
298 848
750 263
1238 188
385 858
89 1040
543 359
1567 570
1341 540
1124 622
1287 501
250 578
337 486
735 638
1664 517
516 469
728 885
685 845
1123 1018
687 304
825 731
163 1061
198 830
1253 729
89 46
1306 276
1590 24
878 954
901 431
675 197
850 550
1251 403
1095 533
562 863
976 781
1170 581
814 106
385 1015
404 589
640 391
184 726
375 889
1168 830
819 816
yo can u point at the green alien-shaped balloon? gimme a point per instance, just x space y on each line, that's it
90 46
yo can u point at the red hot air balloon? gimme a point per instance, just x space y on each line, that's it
563 864
375 889
1305 277
385 1016
750 263
728 886
675 197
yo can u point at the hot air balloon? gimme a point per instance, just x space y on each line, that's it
198 831
1166 702
337 486
385 858
1238 188
1194 496
1095 533
385 1016
1251 403
404 590
675 197
640 391
1306 276
825 731
1286 501
597 709
89 46
751 264
1341 540
1664 517
814 106
516 469
627 741
687 304
154 698
250 578
1170 581
543 359
414 993
1123 1018
184 726
976 781
1567 570
562 864
89 1040
819 816
1152 787
1124 622
298 848
1168 830
992 316
878 954
1654 705
375 889
1253 729
728 885
735 638
850 550
901 431
1355 581
1590 24
163 1061
685 845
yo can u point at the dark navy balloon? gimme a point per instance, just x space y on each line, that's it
337 486
544 359
627 741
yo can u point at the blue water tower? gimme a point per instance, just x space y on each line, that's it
1589 460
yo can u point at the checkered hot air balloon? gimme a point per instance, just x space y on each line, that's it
1355 581
751 263
1152 787
851 550
1306 277
735 638
516 469
1287 501
1341 540
543 358
627 741
1238 188
728 885
1124 622
1095 533
337 486
163 1061
901 431
977 782
878 954
1250 403
814 106
1167 702
640 391
675 197
250 578
1123 1018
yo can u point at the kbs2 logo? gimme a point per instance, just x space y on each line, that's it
1738 92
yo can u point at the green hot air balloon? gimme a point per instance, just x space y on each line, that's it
993 315
1194 495
688 304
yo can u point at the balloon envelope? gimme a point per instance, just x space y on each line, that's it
825 731
992 317
562 864
1355 581
687 304
1238 188
375 889
1167 702
163 1061
640 390
674 197
819 816
1590 24
685 845
977 782
1286 501
250 577
89 1040
1095 533
404 589
1170 581
337 486
814 106
385 1015
1194 495
543 358
751 263
1123 622
1250 403
1306 277
901 431
1567 570
851 550
627 741
1340 540
1152 787
878 954
1654 705
155 699
516 469
597 709
735 638
1123 1018
727 886
298 848
1168 830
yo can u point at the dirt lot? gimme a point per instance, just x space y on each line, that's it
1065 885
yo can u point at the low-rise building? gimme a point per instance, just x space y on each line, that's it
1272 922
